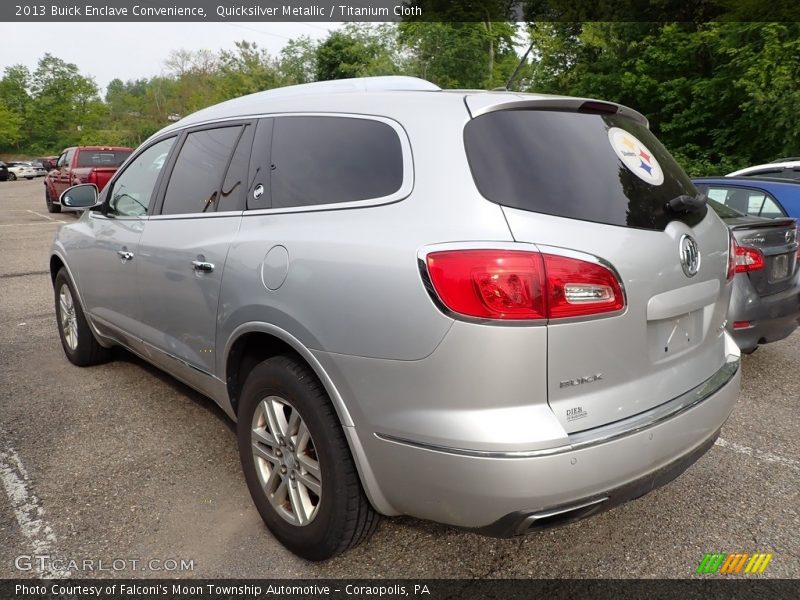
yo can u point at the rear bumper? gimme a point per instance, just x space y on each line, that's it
507 493
523 522
771 318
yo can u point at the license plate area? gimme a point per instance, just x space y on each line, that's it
674 336
779 268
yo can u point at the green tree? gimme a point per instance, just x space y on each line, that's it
194 84
247 70
10 127
64 103
719 95
15 100
298 61
357 50
460 55
14 88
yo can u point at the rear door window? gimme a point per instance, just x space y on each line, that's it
194 185
234 187
319 160
588 166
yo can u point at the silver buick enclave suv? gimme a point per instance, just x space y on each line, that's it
497 311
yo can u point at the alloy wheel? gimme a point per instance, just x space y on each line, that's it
69 320
286 460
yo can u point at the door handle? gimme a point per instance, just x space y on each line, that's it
125 255
203 267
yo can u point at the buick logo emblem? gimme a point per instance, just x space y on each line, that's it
690 256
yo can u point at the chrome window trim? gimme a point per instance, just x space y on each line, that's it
208 215
605 433
96 214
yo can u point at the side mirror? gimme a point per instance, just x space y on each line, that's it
79 197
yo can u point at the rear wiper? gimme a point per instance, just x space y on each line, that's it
685 203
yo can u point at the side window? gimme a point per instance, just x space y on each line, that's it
234 188
195 181
769 208
755 202
62 160
260 172
132 191
329 160
68 157
718 194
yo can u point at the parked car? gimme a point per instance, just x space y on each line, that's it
83 164
754 196
22 169
48 162
785 168
3 171
765 304
38 167
520 326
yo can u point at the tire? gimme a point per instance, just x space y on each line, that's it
337 519
51 207
11 176
77 339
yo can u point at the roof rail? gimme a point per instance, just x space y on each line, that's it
390 83
787 159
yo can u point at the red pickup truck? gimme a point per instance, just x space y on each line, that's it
82 164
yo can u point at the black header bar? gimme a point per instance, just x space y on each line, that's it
394 10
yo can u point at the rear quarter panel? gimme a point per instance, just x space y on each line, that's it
353 285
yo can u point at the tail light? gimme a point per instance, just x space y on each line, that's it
748 259
732 245
514 284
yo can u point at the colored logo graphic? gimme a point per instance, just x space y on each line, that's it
732 563
636 156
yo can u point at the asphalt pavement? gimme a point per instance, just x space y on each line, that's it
126 468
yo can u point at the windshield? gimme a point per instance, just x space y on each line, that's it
588 166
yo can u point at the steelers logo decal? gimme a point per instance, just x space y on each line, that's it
636 156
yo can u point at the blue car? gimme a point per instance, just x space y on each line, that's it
754 196
765 301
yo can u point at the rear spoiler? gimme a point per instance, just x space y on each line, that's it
766 223
482 103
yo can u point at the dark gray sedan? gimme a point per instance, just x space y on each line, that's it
765 304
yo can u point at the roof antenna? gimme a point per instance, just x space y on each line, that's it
507 87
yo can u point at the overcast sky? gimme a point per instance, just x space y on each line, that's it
133 50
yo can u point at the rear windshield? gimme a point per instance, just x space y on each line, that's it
725 212
593 167
102 158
